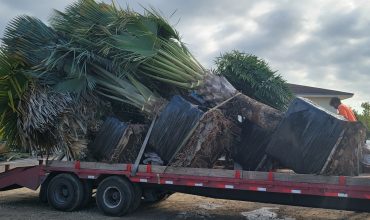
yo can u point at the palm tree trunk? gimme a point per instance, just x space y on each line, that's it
216 89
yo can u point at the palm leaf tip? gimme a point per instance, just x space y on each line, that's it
28 38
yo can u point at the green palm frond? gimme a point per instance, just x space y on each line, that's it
253 76
84 71
13 84
60 62
28 39
143 44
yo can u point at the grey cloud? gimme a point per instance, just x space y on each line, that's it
346 25
39 8
275 30
339 43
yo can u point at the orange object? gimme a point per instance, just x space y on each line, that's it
346 112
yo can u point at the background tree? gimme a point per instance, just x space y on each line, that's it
254 77
364 116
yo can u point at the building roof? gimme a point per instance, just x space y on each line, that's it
308 91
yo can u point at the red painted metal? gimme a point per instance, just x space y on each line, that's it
342 180
268 185
30 177
237 174
77 165
271 176
129 167
148 168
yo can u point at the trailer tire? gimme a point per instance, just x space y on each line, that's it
155 196
43 196
65 192
115 196
137 197
87 195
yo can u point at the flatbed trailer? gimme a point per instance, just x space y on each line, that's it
68 186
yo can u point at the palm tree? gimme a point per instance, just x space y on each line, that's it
29 113
41 117
149 49
101 50
56 61
72 71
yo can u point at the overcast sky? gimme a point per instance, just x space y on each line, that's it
316 43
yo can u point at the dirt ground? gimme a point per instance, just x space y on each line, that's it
24 204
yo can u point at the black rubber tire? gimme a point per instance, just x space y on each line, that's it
43 196
165 196
155 196
87 195
137 198
65 192
115 196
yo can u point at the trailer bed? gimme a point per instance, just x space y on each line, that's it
338 192
331 186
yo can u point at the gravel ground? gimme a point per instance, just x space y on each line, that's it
24 204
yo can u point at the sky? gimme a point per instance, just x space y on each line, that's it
313 42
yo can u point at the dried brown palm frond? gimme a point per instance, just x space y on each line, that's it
40 107
70 137
38 115
90 109
51 121
81 122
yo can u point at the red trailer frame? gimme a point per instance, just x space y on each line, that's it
306 184
194 180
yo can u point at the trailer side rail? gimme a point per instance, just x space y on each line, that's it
305 184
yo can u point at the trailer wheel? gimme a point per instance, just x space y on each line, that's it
137 198
155 196
87 195
65 192
115 196
43 197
